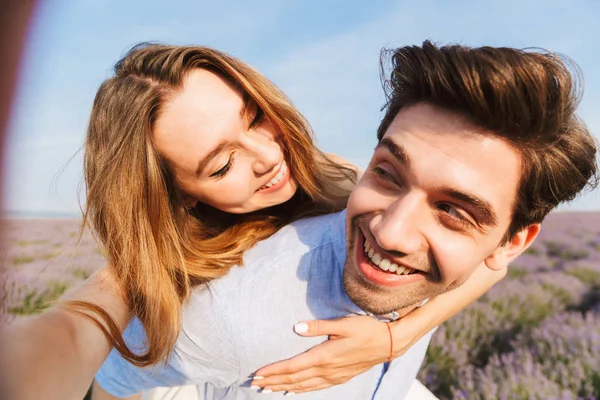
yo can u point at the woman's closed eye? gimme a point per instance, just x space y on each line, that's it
224 169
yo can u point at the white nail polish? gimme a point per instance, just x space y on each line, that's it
267 391
301 327
254 387
258 377
289 393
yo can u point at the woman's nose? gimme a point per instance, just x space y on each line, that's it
265 151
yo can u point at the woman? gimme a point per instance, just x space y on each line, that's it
180 182
191 158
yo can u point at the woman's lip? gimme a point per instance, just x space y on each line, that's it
279 184
375 275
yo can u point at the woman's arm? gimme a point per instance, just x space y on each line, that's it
100 394
443 307
56 354
358 343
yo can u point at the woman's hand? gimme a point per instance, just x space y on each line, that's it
355 345
358 343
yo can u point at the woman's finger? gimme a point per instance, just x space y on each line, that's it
317 356
287 367
332 362
322 327
289 380
308 385
312 389
331 376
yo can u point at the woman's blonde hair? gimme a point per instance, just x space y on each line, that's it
156 249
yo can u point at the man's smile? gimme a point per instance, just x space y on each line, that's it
380 269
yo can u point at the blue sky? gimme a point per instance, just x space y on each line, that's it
322 54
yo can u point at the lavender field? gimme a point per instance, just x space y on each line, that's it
41 261
536 335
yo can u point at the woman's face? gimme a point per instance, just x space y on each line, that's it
223 153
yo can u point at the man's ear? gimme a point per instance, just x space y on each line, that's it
504 254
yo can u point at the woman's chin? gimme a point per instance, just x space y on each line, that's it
260 201
282 196
276 198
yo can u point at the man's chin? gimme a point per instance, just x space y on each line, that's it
373 299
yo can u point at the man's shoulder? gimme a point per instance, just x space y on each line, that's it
276 259
313 231
295 240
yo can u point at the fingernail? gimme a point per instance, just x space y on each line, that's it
289 393
254 387
267 391
301 327
258 377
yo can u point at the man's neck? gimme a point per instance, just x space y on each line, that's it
403 312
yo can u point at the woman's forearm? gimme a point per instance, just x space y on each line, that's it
443 307
56 354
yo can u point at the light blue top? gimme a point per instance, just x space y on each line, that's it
243 321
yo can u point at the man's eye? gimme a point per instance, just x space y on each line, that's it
456 217
384 174
221 172
448 209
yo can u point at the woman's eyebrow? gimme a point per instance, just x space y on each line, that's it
219 148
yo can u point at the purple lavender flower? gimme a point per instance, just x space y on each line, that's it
514 375
526 338
41 260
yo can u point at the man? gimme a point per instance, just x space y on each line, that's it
475 148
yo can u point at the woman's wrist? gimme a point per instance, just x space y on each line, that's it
407 330
413 326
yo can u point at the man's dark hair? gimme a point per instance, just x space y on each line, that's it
526 97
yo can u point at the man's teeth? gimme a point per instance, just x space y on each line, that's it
384 263
277 177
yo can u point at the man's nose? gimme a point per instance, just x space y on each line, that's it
398 228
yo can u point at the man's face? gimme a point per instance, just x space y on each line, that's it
434 203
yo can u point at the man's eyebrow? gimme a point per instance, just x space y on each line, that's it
482 208
396 150
211 154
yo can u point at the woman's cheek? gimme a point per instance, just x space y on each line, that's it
233 193
227 198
